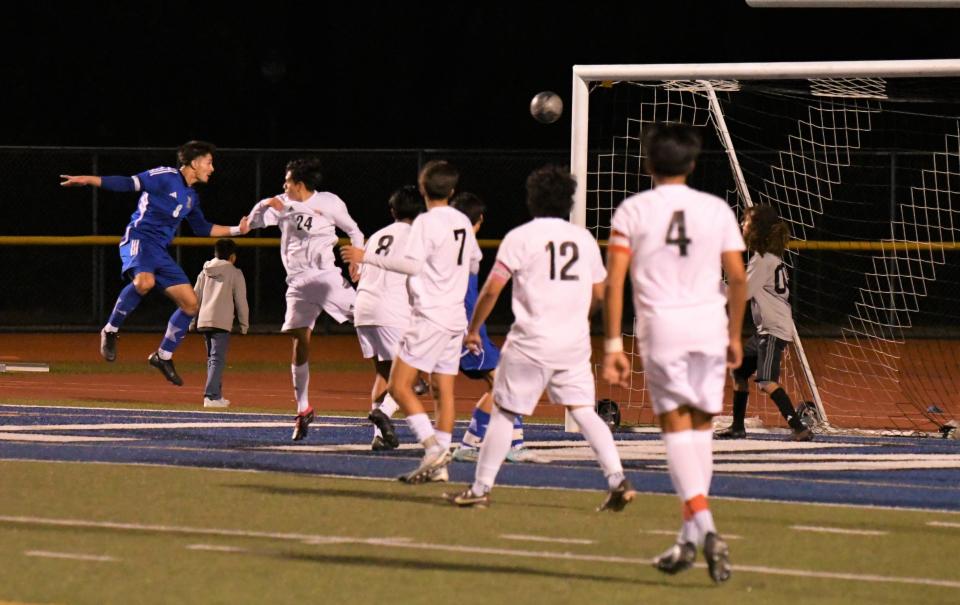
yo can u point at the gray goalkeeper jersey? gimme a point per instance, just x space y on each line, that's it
768 289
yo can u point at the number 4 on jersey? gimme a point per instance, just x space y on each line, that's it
678 225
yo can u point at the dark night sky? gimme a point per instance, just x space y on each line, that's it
382 74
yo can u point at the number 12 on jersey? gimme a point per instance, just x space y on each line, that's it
678 225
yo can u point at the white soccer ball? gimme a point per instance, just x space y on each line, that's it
546 107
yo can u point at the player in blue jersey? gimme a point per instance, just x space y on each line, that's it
167 198
482 364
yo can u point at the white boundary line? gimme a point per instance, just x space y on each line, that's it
839 530
909 509
67 555
528 538
943 524
314 539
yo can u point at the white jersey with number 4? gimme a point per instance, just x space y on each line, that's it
676 236
443 240
307 230
382 297
554 266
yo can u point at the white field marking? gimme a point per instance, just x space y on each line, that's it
839 530
253 471
56 438
943 524
67 555
879 465
141 426
527 538
457 548
352 447
667 532
215 548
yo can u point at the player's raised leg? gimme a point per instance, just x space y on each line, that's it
300 372
187 307
130 296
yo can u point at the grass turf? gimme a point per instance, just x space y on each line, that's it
350 563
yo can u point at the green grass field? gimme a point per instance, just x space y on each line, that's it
174 535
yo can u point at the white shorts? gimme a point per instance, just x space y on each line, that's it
320 291
381 342
693 379
430 348
519 383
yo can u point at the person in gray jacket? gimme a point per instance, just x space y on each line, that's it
221 290
768 290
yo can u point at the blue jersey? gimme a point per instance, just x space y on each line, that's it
165 202
490 356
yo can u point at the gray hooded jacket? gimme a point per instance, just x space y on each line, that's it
220 289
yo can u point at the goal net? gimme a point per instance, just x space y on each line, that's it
862 160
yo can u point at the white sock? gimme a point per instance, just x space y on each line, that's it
389 406
110 328
600 439
444 438
165 355
496 444
688 480
301 383
703 445
421 427
689 533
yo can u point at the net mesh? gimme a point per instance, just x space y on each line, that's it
865 171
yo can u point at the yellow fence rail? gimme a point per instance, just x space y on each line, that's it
272 242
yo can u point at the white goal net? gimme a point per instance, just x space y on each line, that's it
862 160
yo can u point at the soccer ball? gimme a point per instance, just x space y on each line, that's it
546 107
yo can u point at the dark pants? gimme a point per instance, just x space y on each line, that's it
217 341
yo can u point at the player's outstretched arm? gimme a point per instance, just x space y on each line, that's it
80 181
616 366
732 261
224 231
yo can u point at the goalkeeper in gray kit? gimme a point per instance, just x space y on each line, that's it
768 290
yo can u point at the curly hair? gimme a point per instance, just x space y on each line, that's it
550 192
767 232
307 171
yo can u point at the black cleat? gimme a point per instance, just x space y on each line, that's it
677 558
108 345
421 387
166 368
803 435
731 433
302 424
382 422
618 498
717 554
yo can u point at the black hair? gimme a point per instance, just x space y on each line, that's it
469 204
406 203
550 192
224 248
439 179
192 150
306 171
671 149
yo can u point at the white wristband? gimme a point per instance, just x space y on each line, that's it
613 345
235 231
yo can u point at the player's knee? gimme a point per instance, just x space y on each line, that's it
143 284
191 308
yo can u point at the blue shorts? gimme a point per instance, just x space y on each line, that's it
485 361
143 256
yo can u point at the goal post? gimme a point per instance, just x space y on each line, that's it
813 139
